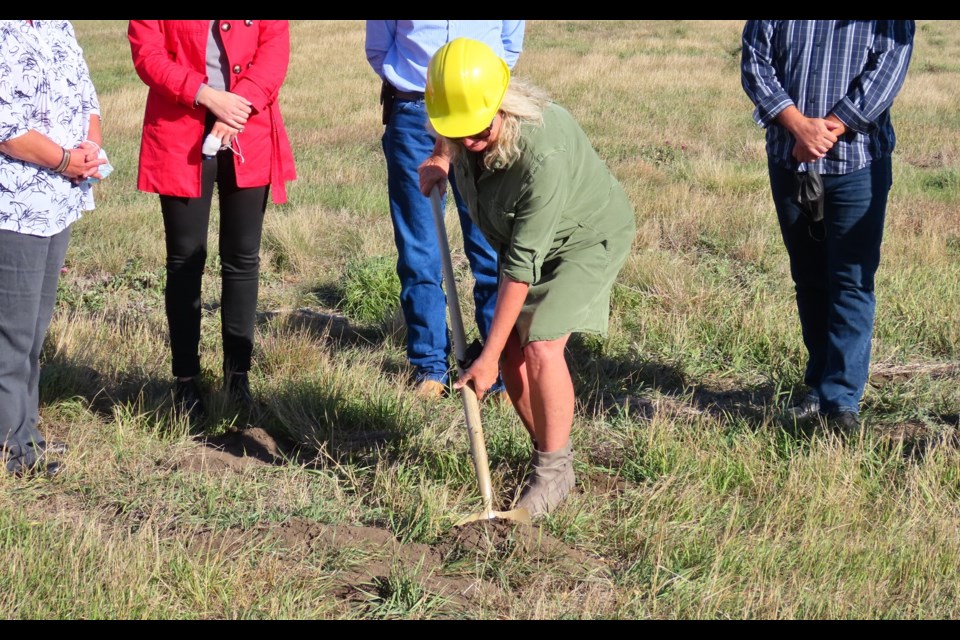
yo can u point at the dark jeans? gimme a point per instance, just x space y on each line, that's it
407 143
185 222
29 273
834 277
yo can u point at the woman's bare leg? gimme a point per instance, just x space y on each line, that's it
550 391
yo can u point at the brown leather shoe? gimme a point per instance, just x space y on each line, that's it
430 389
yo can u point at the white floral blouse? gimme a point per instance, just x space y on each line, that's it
44 85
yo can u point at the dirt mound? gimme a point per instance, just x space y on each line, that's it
236 450
368 563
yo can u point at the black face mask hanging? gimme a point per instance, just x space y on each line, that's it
810 199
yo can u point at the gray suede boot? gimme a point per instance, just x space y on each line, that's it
550 481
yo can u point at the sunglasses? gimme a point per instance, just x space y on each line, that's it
483 135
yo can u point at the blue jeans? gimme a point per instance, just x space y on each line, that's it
834 277
406 144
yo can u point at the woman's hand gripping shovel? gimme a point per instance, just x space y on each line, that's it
471 406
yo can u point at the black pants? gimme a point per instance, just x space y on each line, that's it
185 221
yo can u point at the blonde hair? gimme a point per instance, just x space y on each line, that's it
523 103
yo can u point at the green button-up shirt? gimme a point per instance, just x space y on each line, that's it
558 203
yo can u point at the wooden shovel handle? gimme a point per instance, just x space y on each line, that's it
468 396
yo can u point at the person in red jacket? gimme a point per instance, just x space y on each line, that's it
216 81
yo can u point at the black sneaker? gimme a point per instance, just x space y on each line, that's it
186 398
238 385
41 467
805 410
844 423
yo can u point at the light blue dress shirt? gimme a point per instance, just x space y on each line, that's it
400 50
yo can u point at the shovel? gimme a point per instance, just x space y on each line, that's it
471 406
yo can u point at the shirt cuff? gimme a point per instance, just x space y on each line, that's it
196 96
768 110
850 116
526 274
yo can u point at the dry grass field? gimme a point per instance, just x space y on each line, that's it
338 498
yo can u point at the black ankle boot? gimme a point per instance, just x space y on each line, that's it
238 384
186 397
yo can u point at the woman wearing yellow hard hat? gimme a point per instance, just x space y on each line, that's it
561 224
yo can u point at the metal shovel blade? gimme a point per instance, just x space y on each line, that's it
520 515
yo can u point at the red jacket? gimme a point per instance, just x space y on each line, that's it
170 57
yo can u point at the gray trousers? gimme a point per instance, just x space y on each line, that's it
29 274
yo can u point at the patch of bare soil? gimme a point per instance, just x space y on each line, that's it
368 556
235 451
474 545
915 440
602 485
498 537
364 561
882 372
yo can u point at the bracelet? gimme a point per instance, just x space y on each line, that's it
94 144
64 162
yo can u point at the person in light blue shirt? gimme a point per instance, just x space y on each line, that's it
399 51
823 90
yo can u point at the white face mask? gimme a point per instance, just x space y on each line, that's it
105 169
211 146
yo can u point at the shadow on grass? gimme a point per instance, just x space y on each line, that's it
616 385
328 322
912 442
338 422
915 442
327 421
604 384
306 422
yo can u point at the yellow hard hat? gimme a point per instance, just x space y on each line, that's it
466 81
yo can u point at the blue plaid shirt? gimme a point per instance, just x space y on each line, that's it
850 68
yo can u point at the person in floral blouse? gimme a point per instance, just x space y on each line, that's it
50 148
